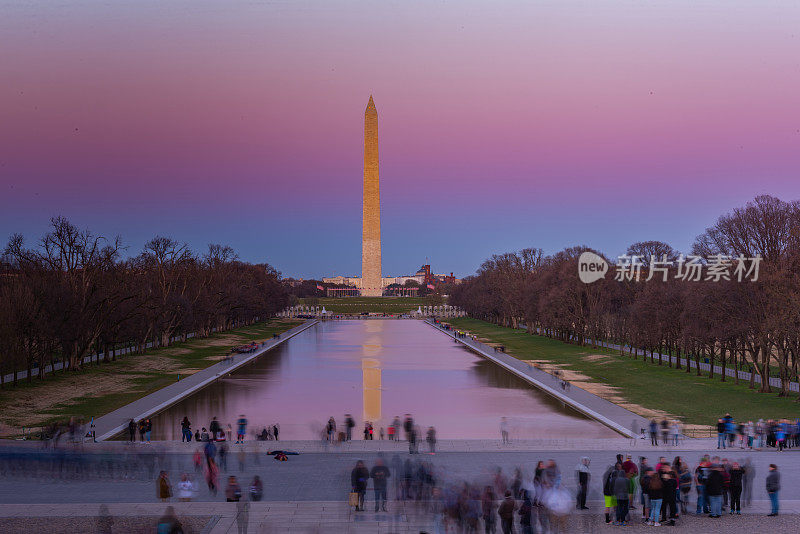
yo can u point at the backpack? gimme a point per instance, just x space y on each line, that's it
608 486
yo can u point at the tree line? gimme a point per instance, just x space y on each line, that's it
751 325
74 295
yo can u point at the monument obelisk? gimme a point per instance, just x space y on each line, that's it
371 281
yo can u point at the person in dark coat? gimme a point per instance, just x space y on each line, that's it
736 485
506 513
359 478
132 429
621 494
380 477
714 484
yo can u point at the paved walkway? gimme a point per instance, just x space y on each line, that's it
115 422
606 412
336 516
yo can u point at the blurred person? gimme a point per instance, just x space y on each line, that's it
506 513
736 483
700 476
488 508
431 439
504 431
609 498
105 523
359 478
241 429
620 490
211 474
330 429
132 430
233 492
380 475
773 488
653 433
631 473
526 513
142 429
185 488
241 455
168 523
229 432
214 429
164 487
223 456
275 429
256 489
748 481
148 429
242 516
349 424
411 435
582 477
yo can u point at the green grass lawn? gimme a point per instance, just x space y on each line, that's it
356 305
99 389
696 400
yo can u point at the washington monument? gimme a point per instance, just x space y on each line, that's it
371 280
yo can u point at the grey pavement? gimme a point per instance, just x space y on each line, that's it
324 476
113 423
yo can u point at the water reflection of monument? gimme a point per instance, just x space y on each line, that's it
371 370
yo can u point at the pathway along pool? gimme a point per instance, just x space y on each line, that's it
376 370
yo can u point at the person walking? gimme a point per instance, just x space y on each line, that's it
164 487
582 477
132 430
506 513
380 475
504 431
773 487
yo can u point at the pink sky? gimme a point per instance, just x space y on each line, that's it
502 125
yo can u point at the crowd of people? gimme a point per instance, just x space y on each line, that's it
214 432
664 491
394 432
779 434
454 505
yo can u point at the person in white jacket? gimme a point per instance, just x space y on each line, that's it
185 488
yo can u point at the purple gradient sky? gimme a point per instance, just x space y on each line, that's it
503 125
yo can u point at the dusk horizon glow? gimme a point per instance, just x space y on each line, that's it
572 123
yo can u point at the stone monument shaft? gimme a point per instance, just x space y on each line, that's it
371 282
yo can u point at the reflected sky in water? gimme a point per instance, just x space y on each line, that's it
375 370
